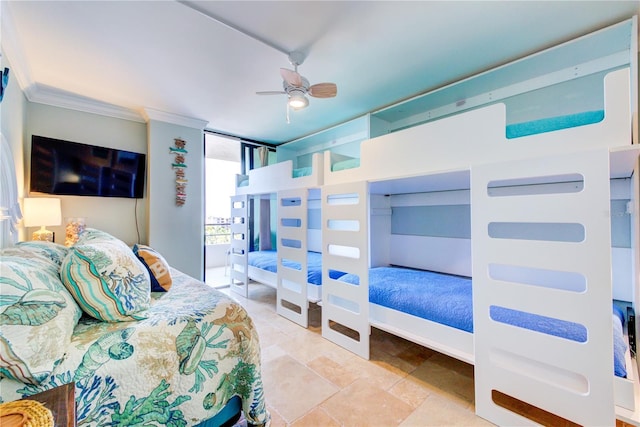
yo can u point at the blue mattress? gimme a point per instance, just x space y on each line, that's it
268 260
551 124
447 299
306 171
345 164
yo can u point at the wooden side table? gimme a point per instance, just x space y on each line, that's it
61 402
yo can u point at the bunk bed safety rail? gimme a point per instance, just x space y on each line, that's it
283 176
479 137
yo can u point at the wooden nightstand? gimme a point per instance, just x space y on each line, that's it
61 402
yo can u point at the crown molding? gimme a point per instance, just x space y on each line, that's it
58 98
176 119
42 94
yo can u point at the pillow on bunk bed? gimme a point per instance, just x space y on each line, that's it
106 279
619 344
298 172
345 164
158 267
37 317
551 124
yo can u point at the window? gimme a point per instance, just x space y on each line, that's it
222 163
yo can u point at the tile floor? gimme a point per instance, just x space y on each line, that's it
217 277
310 381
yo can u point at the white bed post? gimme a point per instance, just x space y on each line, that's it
238 265
292 302
571 379
345 232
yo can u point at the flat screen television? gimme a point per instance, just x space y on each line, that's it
75 169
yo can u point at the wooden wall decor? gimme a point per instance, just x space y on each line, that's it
179 166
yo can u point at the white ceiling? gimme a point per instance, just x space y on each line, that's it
206 59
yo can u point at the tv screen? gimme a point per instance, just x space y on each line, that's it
74 169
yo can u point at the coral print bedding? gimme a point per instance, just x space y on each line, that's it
192 350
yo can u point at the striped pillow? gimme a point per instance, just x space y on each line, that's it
106 279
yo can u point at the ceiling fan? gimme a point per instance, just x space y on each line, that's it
296 87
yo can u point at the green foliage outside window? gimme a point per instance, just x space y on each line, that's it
217 234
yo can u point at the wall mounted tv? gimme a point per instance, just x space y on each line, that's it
74 169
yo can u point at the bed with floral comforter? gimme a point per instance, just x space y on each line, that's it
176 362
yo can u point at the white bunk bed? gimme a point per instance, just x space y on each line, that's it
523 182
293 268
281 176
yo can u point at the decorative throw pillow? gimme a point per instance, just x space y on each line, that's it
48 250
156 264
93 234
106 279
37 317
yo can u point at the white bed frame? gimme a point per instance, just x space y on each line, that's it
279 177
470 152
293 292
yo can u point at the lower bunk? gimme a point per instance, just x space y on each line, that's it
436 310
263 268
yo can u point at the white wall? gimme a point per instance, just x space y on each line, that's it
177 232
216 255
115 215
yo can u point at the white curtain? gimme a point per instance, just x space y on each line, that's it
10 213
263 152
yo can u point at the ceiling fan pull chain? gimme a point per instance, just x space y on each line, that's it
288 121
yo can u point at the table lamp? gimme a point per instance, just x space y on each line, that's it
40 212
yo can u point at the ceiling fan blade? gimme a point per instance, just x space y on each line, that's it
323 90
272 92
291 77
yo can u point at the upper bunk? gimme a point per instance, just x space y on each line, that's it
577 96
281 176
299 163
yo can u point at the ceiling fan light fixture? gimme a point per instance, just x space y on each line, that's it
298 101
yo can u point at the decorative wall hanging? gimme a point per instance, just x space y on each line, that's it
178 166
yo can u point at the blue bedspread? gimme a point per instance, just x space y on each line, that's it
447 299
268 260
551 124
299 172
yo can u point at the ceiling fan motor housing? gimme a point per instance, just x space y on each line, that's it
288 87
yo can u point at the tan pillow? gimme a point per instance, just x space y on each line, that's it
156 264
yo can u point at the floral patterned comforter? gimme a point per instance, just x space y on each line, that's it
196 349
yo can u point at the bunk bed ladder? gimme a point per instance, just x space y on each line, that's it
239 248
541 237
345 230
292 302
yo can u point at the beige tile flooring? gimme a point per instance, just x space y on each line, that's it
310 381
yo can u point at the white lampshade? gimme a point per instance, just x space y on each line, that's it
42 212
